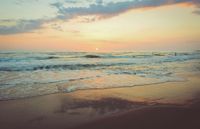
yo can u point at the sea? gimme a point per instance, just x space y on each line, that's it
29 74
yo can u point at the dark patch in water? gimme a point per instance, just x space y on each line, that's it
102 106
92 56
52 57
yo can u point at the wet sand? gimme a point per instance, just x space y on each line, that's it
167 106
160 117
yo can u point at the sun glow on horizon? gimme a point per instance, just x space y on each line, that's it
97 49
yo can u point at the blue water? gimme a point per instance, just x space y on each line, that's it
26 74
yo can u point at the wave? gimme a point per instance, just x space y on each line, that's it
18 59
62 67
79 61
15 57
137 55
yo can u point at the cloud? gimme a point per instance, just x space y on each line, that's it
100 8
112 8
20 27
20 2
57 27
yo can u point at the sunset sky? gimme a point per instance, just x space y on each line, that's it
100 25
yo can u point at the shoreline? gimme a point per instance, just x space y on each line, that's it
92 89
84 108
184 79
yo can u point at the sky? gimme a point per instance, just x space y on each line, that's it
100 25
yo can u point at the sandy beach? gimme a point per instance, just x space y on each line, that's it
166 105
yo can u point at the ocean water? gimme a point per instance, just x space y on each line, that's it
27 74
